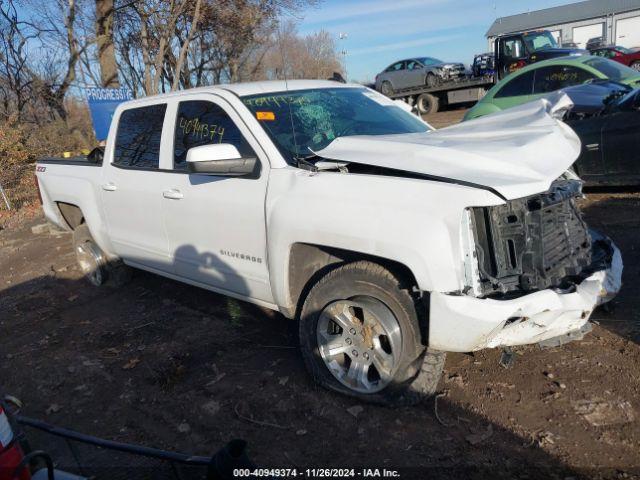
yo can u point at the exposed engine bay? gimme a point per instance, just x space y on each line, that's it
536 242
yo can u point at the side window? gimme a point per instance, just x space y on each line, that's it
413 65
396 67
550 79
517 86
514 48
138 137
200 122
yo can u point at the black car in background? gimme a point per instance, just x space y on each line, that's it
606 117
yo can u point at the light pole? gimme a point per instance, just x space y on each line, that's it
343 52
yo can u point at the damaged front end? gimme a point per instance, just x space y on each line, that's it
532 243
534 272
451 71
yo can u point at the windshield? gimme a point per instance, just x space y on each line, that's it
322 115
429 61
612 70
539 40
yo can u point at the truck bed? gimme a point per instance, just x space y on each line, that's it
61 181
81 160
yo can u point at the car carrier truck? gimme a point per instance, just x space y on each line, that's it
510 53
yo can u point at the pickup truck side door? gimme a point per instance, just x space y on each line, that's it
132 188
215 224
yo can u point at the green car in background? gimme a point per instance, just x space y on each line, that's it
539 79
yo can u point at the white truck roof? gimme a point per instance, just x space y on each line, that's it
255 88
272 86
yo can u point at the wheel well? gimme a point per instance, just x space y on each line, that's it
308 263
71 214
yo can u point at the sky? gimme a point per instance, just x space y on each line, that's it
380 32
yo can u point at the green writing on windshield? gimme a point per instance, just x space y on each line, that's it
201 131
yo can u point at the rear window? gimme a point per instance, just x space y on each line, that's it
612 70
138 137
517 86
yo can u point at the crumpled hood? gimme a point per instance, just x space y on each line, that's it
516 153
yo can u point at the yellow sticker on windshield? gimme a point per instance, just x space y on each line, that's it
266 116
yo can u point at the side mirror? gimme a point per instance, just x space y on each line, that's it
221 159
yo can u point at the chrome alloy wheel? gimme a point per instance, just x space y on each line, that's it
360 342
91 261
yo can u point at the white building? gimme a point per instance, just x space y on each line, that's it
618 21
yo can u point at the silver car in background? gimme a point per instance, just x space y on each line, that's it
417 72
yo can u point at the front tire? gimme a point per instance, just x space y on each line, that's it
360 335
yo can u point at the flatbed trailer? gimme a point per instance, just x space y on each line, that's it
430 99
510 53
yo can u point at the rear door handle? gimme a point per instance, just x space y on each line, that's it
109 187
172 194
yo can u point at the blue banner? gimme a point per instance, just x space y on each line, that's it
102 104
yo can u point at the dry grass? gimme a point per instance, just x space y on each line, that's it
23 143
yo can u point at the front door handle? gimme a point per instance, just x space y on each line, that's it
109 187
172 194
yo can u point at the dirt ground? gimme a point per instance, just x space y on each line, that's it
171 366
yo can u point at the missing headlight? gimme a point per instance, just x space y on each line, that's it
531 243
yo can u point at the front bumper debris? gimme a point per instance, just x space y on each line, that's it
462 323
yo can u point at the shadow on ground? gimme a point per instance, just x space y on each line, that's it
172 366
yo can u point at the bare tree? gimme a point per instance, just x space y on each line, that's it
105 44
151 46
16 80
293 56
180 64
64 31
179 44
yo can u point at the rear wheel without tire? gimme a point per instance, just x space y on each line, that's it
360 335
427 103
93 262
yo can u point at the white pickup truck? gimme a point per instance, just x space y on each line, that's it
389 242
